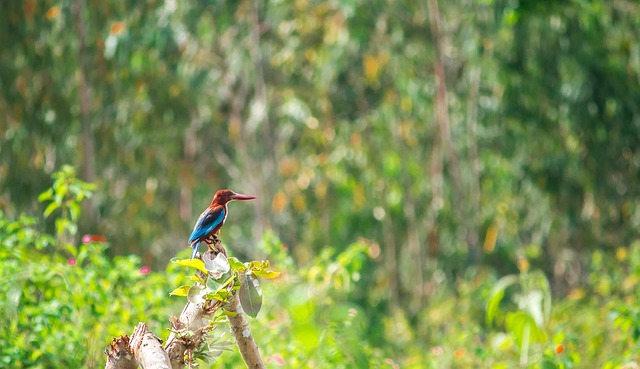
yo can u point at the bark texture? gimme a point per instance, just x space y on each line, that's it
147 349
119 355
244 340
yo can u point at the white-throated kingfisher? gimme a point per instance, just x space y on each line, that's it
212 219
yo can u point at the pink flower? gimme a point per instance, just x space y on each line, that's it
437 350
86 238
145 270
71 261
278 359
392 363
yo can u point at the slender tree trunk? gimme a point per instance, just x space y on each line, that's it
437 199
443 121
88 163
442 100
436 162
474 177
88 143
260 108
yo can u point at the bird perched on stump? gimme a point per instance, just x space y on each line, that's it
212 219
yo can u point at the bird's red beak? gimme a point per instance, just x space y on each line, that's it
239 196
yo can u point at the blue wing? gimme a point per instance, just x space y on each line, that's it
207 222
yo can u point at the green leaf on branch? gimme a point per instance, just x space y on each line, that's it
228 313
196 278
258 264
221 295
180 291
46 195
267 274
236 264
196 294
213 284
74 210
261 269
50 209
250 295
193 263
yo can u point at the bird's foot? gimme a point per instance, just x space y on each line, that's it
211 240
216 245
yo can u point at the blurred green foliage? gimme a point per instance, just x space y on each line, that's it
65 301
521 156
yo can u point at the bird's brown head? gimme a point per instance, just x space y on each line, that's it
224 196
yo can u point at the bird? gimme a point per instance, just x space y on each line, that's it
208 225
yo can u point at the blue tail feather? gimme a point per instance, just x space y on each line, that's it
195 250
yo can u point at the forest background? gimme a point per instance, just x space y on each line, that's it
443 183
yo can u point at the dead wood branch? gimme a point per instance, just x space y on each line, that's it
147 349
188 332
119 355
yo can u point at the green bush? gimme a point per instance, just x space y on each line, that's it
65 300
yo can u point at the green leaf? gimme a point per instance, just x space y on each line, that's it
196 278
180 291
36 354
61 225
45 195
250 295
497 293
220 287
213 284
520 323
492 306
193 263
74 210
236 264
195 295
50 209
267 274
221 295
228 313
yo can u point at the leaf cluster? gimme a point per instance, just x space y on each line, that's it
219 278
